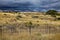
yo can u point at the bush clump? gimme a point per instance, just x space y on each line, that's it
35 17
58 18
18 17
29 25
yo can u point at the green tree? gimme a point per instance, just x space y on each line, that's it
53 13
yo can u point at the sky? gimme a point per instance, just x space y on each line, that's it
30 5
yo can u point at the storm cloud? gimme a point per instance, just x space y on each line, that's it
30 5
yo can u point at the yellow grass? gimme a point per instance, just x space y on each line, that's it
11 18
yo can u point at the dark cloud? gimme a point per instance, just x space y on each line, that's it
29 5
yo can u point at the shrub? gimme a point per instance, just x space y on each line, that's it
18 17
58 18
5 14
0 28
29 25
34 16
52 13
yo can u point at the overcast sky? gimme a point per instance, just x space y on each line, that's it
30 5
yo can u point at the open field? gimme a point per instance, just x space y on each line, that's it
15 26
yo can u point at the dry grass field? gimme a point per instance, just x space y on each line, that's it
16 26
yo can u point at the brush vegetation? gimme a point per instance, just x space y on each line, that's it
29 26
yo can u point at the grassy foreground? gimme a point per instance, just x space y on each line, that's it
15 26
